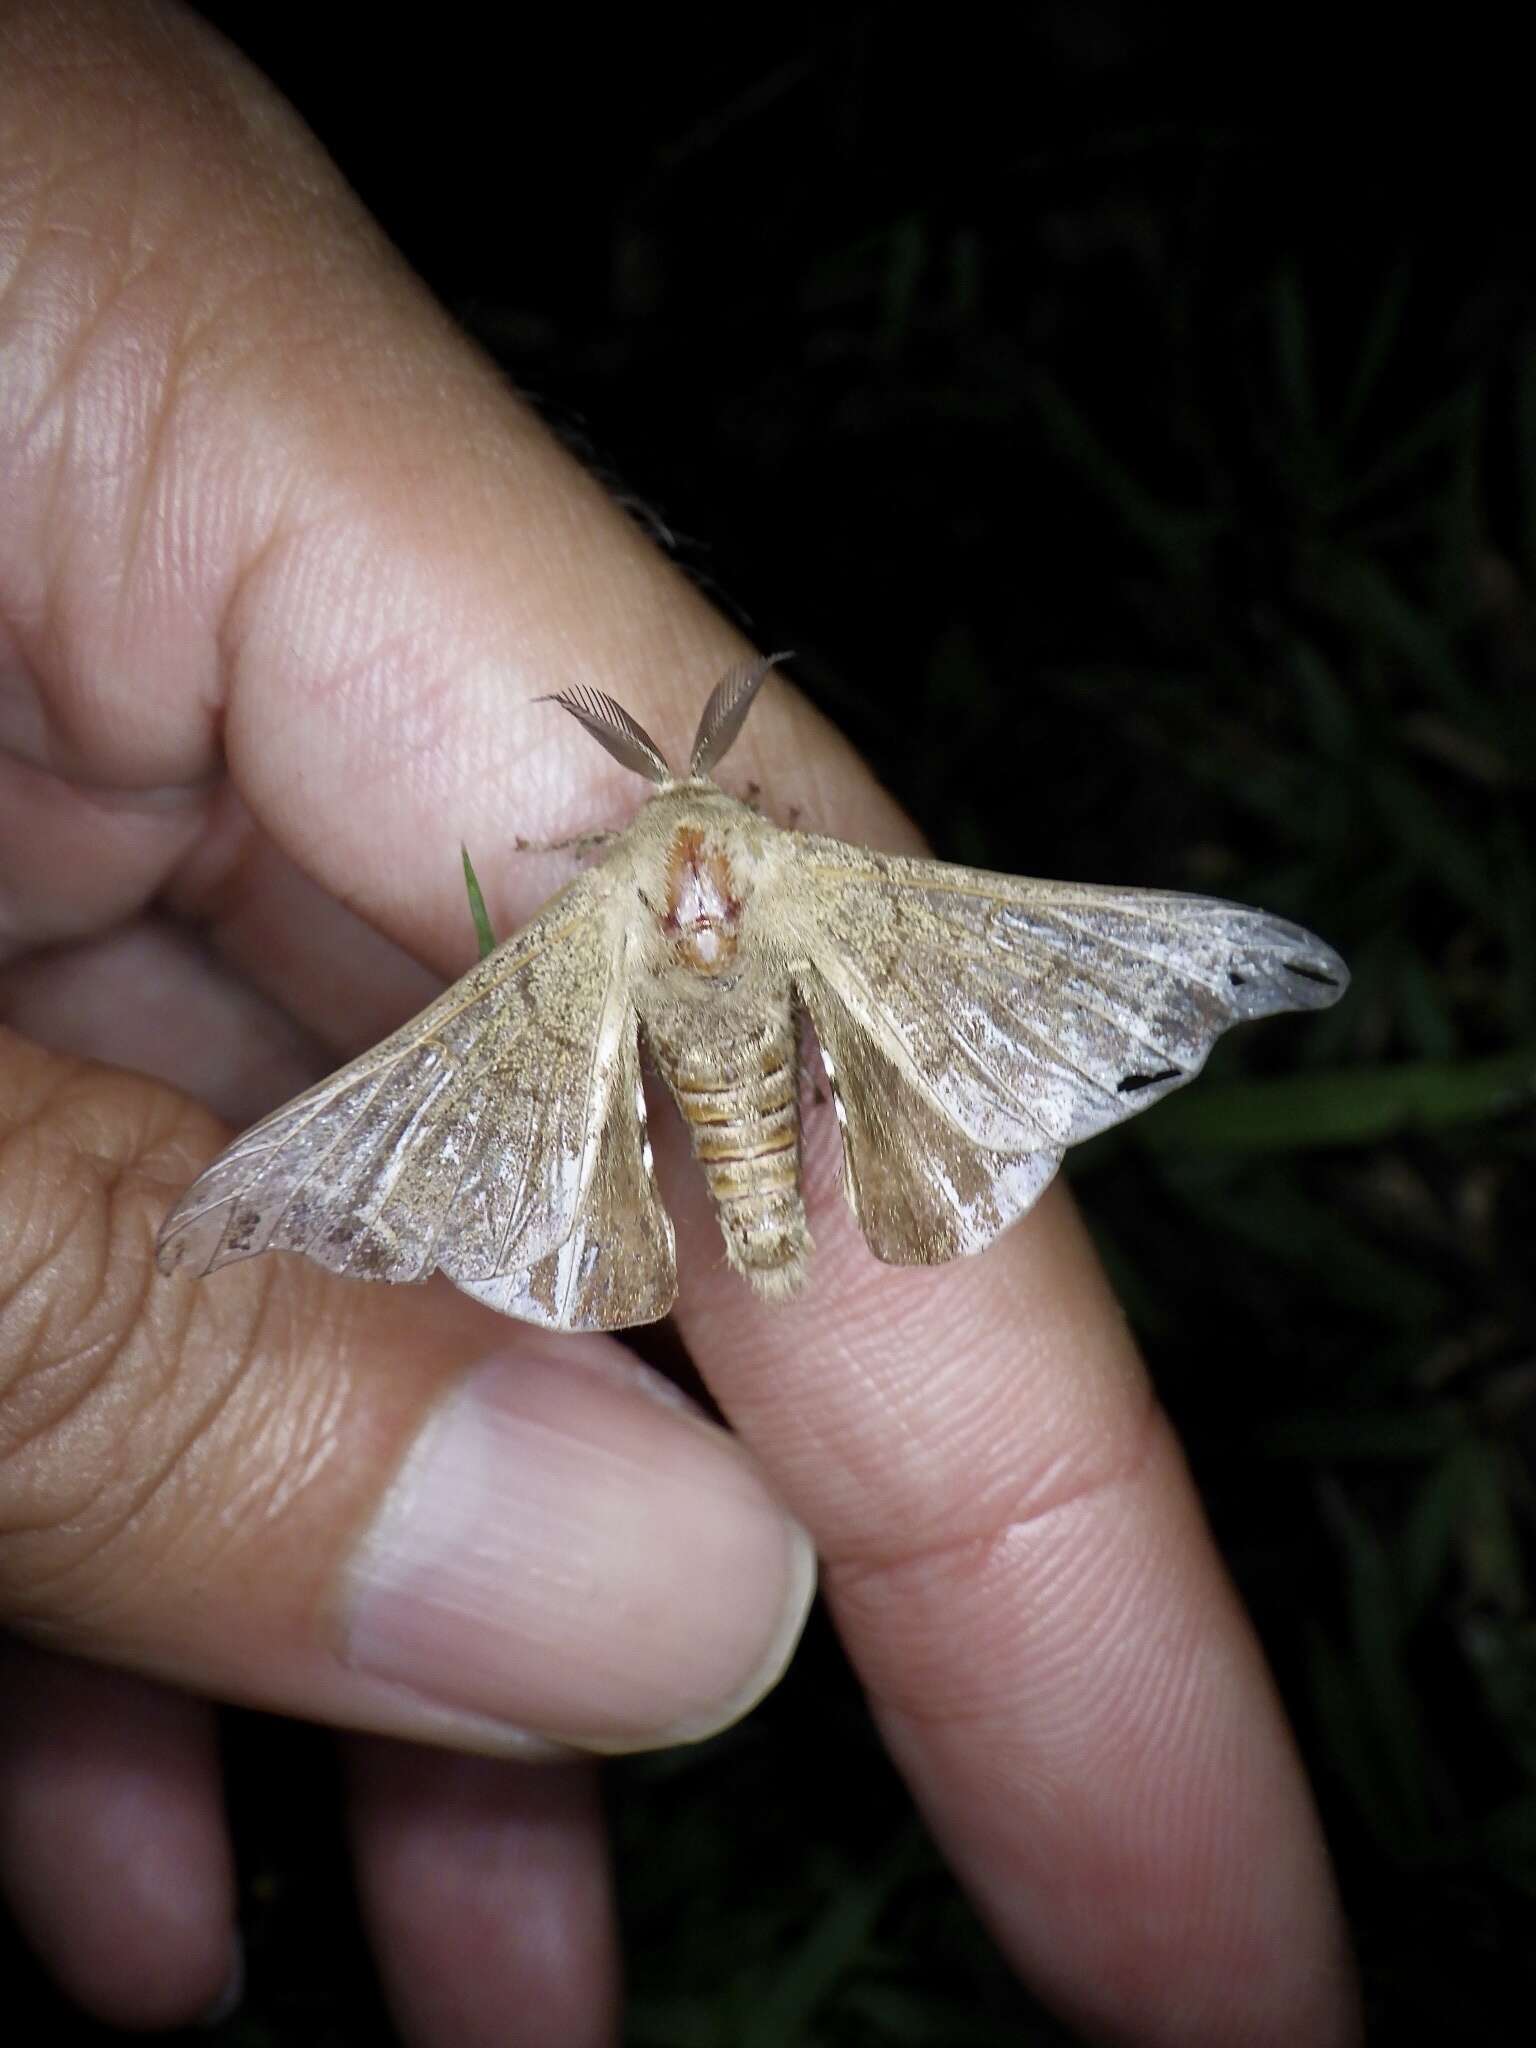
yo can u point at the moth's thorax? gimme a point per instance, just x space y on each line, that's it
699 865
701 915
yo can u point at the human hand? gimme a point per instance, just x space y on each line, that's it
282 563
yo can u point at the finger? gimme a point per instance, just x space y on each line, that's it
381 1507
1015 1556
148 998
375 545
485 1887
113 1852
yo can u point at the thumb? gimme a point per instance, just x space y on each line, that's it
381 1507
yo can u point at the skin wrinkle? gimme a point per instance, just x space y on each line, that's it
307 1453
122 1525
60 386
157 460
74 557
903 1462
1073 1732
235 600
853 1566
306 1462
425 737
99 1515
291 561
110 1212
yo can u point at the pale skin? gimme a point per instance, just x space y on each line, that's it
282 564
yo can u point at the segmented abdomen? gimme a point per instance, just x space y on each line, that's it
741 1099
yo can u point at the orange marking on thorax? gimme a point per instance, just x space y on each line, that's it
703 911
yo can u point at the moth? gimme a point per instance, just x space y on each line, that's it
972 1026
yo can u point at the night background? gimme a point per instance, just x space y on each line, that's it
1134 430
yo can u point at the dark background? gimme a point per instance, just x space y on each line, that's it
1133 425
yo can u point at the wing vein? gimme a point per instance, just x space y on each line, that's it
291 1195
1004 1087
1107 987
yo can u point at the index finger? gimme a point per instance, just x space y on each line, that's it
331 556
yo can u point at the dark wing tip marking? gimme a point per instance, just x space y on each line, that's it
1132 1084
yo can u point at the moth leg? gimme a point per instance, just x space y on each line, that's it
583 842
752 797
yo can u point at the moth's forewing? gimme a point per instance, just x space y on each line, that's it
467 1142
980 1023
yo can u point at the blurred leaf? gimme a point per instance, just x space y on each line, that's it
1333 721
1508 1839
1339 1435
1365 600
1178 539
1292 344
651 2021
1433 1526
908 2019
1491 1547
1441 854
803 1977
1376 348
1351 1106
1421 1007
1433 431
1388 1744
906 260
1310 1242
1502 1652
1524 437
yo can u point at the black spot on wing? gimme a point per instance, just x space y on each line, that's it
1134 1083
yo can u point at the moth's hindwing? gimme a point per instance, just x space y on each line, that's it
618 1266
922 1190
979 1024
500 1127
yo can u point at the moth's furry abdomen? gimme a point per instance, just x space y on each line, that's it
740 1098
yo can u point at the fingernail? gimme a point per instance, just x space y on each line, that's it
570 1557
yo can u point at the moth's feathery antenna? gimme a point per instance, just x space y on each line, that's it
612 727
729 702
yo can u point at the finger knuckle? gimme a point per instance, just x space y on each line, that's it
90 1373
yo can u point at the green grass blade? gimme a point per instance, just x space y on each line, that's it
477 910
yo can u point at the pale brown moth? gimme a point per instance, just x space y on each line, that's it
972 1027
